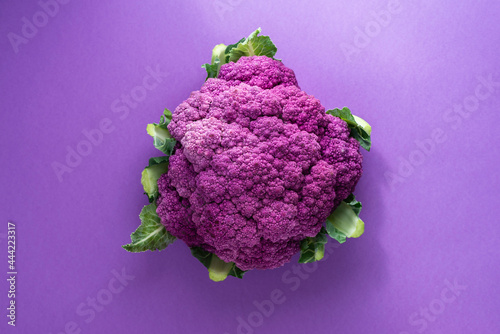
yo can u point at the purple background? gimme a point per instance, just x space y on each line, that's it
427 224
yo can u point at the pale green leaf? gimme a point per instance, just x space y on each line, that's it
151 234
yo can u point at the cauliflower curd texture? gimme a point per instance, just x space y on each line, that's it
258 166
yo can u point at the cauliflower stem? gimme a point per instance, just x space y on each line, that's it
344 223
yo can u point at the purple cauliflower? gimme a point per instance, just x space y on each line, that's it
258 165
253 169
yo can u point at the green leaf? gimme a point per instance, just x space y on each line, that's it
227 52
150 175
363 124
344 114
162 138
166 145
166 118
218 270
151 234
363 138
253 45
237 272
158 160
218 59
344 222
360 129
334 233
202 255
354 204
212 70
313 249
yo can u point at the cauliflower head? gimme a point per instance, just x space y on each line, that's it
253 169
258 165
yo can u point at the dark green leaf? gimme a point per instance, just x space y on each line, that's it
313 248
344 114
237 272
357 125
212 70
362 137
157 160
354 204
202 255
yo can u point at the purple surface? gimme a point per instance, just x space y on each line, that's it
430 189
